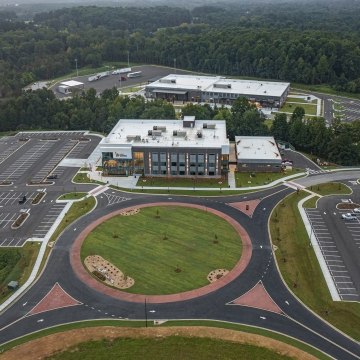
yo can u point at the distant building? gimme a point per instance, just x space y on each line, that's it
216 89
257 154
167 148
68 87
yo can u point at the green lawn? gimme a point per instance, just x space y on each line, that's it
300 100
139 324
331 189
73 196
268 123
160 348
301 271
83 178
166 249
311 203
16 264
258 179
76 210
196 192
310 109
182 182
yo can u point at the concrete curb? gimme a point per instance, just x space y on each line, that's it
38 261
314 243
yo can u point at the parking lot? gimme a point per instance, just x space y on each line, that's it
333 258
48 220
347 110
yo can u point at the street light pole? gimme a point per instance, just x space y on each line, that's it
145 314
128 53
175 64
77 72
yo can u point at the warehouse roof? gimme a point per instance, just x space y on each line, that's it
168 133
256 148
219 84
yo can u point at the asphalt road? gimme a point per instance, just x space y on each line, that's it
296 321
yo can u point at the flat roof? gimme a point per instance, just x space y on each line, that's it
220 85
72 83
135 132
256 148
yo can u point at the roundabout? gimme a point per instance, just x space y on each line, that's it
167 261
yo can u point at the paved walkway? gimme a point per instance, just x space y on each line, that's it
84 276
231 177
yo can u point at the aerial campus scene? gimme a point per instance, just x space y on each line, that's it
180 181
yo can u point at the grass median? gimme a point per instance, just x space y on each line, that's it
16 264
301 271
73 196
333 188
139 324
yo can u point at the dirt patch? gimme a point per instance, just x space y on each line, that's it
48 345
110 274
217 274
347 206
20 220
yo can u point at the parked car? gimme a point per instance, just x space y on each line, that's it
22 200
356 210
52 176
348 216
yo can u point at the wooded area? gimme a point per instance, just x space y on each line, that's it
305 43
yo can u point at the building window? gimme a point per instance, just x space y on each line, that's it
192 159
181 159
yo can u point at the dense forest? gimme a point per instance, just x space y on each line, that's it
299 42
40 109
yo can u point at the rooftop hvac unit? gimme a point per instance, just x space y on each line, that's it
156 132
199 134
133 138
162 128
209 126
179 133
222 86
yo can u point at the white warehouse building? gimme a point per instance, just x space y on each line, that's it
216 89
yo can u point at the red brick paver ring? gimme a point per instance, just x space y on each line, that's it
84 276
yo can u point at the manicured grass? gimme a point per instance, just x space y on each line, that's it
73 196
139 324
311 203
310 109
258 179
83 178
16 264
84 169
301 271
166 249
179 347
330 189
76 210
300 100
196 192
268 123
182 182
326 89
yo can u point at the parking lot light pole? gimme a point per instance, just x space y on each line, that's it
77 71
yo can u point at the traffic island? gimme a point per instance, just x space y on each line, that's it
20 220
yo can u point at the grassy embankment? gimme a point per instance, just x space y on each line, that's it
73 196
183 182
179 347
16 264
122 323
83 178
300 268
259 179
149 240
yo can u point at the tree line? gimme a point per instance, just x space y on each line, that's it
40 109
286 43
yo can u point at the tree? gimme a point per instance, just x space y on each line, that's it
280 127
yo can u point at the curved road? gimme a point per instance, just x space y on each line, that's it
295 321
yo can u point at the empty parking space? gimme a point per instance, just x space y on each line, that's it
48 220
61 151
9 147
26 161
11 198
333 258
347 109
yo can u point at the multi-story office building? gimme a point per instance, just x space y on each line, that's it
168 148
216 89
